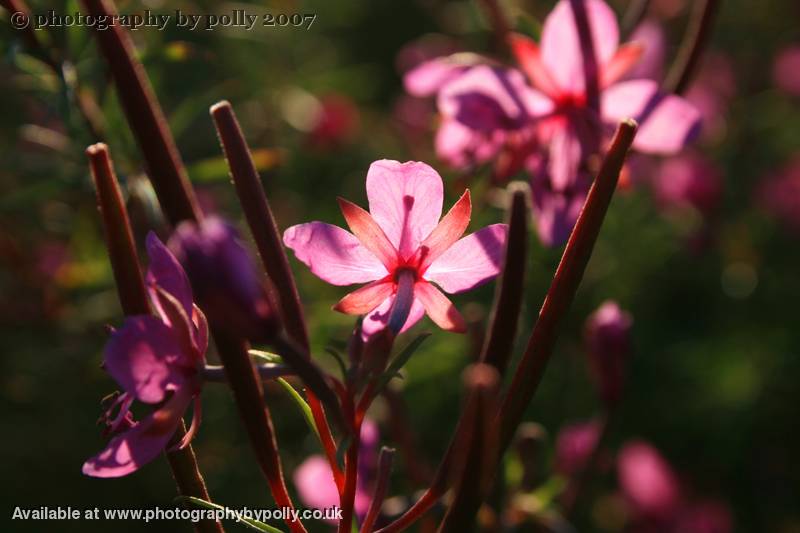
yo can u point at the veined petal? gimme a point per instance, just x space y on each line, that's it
566 156
141 357
529 59
449 230
377 320
625 58
142 443
441 310
166 272
405 199
666 122
561 47
333 254
369 233
471 261
365 299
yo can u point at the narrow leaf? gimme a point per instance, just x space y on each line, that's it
301 403
249 523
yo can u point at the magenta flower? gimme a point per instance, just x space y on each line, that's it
689 181
225 278
607 334
647 481
572 130
574 446
400 248
158 361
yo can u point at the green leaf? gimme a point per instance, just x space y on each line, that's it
399 362
338 356
265 357
301 403
255 525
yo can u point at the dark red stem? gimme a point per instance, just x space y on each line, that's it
134 301
511 287
637 9
348 495
563 287
692 47
381 488
590 68
144 114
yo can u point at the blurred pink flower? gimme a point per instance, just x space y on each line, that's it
647 481
607 334
689 180
574 445
780 195
786 70
650 36
711 516
314 479
157 361
335 123
400 247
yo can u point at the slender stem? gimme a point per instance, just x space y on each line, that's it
692 47
590 68
348 495
249 398
144 114
563 287
511 287
637 9
403 300
403 434
270 249
134 301
381 487
476 454
498 22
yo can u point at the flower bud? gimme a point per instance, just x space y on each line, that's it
574 445
607 335
647 481
224 278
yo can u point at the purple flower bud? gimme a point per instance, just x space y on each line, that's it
647 481
224 278
574 445
607 334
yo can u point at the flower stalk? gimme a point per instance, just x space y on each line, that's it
692 47
381 488
133 299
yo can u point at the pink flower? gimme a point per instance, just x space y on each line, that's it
574 445
157 361
647 481
556 69
650 36
314 479
400 248
607 334
786 70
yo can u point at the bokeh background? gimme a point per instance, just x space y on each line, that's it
709 271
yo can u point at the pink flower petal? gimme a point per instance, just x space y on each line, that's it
405 199
566 156
649 34
315 484
561 48
428 77
647 480
529 58
471 261
449 230
626 57
333 254
461 146
441 310
666 122
142 443
369 233
166 272
378 319
141 357
365 299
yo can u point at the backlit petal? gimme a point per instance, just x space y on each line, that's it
626 57
529 58
369 233
166 272
561 48
333 254
471 261
449 230
441 310
141 356
405 199
365 299
378 319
